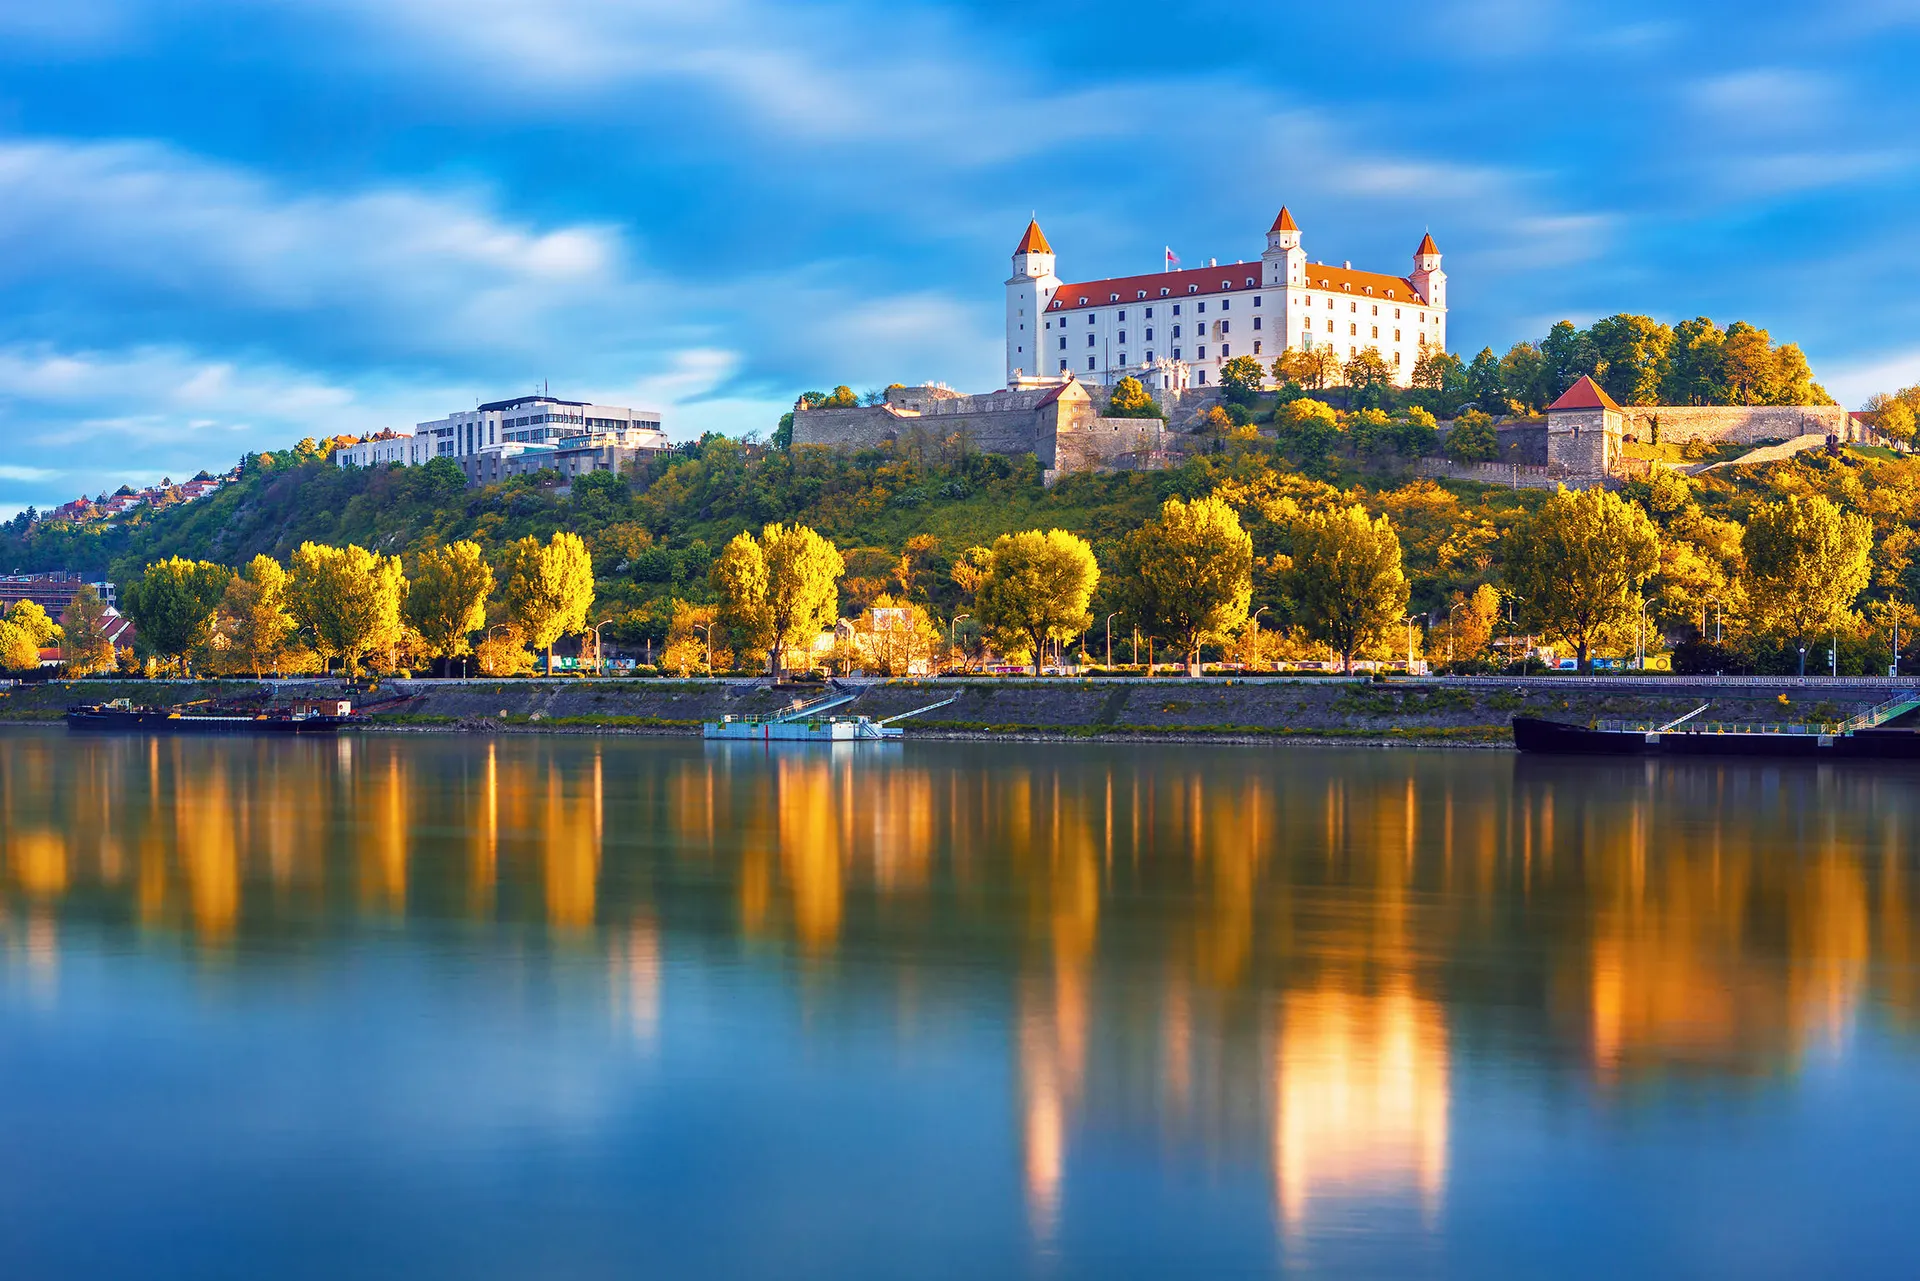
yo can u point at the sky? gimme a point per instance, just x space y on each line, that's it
228 224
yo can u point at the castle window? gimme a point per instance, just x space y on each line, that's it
1200 376
1083 302
1225 326
1141 294
1376 331
1063 342
1329 304
1389 293
1123 335
1089 362
1348 288
1176 353
1352 307
1228 284
1396 335
1063 366
1353 331
1201 307
1149 357
1092 316
1199 353
1256 322
1165 292
1225 351
1121 316
1256 300
1368 289
1113 297
1123 357
1226 304
1256 346
1176 331
1049 324
1149 313
1396 357
1089 340
1376 309
1193 289
1176 309
1396 310
1251 282
1423 317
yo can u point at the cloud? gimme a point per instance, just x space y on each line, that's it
9 471
1766 101
1851 383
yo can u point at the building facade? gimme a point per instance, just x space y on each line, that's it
1174 329
507 429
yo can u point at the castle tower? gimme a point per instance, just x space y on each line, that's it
1029 290
1427 276
1286 261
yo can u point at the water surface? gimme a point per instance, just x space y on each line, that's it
579 1007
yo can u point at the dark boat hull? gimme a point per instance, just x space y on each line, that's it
1532 734
159 721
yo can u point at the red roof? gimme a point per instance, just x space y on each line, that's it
1584 394
1284 222
1427 246
1235 276
1034 242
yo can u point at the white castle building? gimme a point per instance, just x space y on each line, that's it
1176 328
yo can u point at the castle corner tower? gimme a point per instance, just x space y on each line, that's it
1285 260
1029 289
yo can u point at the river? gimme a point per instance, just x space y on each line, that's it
437 1005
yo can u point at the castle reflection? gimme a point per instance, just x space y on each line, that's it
1264 958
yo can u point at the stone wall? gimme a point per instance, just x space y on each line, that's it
1582 442
1734 424
1508 474
1108 444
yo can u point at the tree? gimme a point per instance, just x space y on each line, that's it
1301 368
1131 399
1527 377
780 591
447 600
1241 379
1579 562
1367 376
1486 382
1346 582
255 616
1893 415
85 644
1471 619
690 641
172 605
35 622
1803 563
1036 588
18 653
1307 430
348 598
549 588
1188 576
1632 357
503 652
1472 438
1694 365
898 636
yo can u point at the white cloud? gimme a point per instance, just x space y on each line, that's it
9 471
1852 383
1765 102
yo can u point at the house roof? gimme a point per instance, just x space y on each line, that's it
1584 394
1034 241
1233 277
1284 222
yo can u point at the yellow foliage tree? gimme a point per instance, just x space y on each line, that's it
84 644
254 615
549 588
1578 564
780 591
1347 581
348 598
447 599
1188 576
1803 562
1036 589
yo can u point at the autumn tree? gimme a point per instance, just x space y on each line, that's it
1471 619
779 591
39 626
1346 581
1301 368
690 641
548 588
1308 429
1188 576
447 599
348 598
1367 377
1131 399
1804 561
898 636
18 652
254 618
1579 562
172 605
1036 589
84 642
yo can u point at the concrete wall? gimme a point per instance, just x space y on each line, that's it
1734 424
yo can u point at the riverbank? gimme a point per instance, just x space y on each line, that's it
1425 713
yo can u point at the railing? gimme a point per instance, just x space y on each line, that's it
1898 705
1724 727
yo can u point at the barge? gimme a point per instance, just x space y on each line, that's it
809 722
1866 737
321 716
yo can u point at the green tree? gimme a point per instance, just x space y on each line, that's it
1308 429
1579 562
1347 583
172 605
548 588
778 592
255 615
84 641
1367 377
1130 399
1804 561
1632 357
1694 365
1486 382
348 598
1527 377
447 599
1472 438
1241 379
1036 588
1188 576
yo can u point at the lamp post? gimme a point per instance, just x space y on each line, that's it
1255 620
706 629
599 654
1110 618
1803 660
953 632
1450 610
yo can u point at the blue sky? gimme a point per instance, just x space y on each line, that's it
225 225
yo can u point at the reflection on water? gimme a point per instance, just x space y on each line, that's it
1269 963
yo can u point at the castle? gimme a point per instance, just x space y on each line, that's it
1174 329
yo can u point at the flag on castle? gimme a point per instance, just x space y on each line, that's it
1172 258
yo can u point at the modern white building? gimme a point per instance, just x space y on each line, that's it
510 426
1176 328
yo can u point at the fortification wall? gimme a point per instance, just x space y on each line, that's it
1011 431
1108 444
862 428
1734 424
1578 442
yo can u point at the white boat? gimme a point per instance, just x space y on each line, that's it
810 722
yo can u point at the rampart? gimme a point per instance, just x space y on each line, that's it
1733 424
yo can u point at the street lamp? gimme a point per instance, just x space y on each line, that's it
1110 618
706 629
953 632
1255 620
1803 660
1716 619
599 654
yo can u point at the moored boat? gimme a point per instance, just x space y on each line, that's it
1867 736
324 716
810 722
